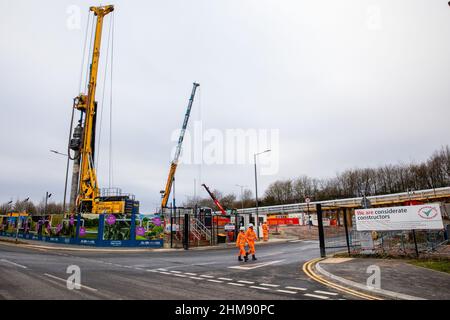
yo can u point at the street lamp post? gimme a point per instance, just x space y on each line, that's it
256 190
242 194
67 177
18 221
308 200
411 191
47 196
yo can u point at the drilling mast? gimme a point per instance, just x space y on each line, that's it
85 193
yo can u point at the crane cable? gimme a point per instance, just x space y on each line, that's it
83 58
97 160
111 176
200 139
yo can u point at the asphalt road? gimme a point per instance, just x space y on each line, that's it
195 274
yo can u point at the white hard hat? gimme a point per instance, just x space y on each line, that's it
242 228
250 225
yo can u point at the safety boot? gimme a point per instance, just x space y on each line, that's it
246 258
240 258
254 258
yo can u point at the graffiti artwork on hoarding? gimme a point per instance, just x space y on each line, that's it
88 229
117 227
420 217
89 226
149 227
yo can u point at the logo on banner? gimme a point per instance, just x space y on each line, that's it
427 212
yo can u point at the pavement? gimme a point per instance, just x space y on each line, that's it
30 272
398 279
69 247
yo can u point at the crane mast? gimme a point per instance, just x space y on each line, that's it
173 166
83 144
213 197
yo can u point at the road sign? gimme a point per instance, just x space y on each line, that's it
307 200
229 227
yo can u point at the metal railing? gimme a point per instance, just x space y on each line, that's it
200 229
428 194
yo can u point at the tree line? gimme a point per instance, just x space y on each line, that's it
429 174
31 208
432 173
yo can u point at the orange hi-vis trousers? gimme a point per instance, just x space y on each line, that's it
251 247
242 251
240 243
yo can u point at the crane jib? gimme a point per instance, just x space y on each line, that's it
178 149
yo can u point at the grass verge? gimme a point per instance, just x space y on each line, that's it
438 265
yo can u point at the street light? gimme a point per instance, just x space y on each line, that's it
60 153
242 194
18 220
47 196
67 176
256 189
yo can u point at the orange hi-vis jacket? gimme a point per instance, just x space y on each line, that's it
241 239
265 228
251 235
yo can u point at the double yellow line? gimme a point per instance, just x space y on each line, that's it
308 269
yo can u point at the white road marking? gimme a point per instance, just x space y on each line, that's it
197 278
14 264
180 275
326 292
287 291
246 282
294 241
270 285
272 254
216 281
206 276
236 284
162 269
254 266
163 272
203 264
225 279
190 274
315 296
260 288
151 270
296 288
64 280
175 271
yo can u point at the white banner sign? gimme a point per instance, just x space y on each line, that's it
421 217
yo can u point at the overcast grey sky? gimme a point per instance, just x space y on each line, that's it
350 83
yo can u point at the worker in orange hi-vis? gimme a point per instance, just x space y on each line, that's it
240 243
251 238
265 229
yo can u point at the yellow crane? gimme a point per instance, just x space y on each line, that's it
85 187
88 187
173 165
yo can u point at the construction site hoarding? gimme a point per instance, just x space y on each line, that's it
420 217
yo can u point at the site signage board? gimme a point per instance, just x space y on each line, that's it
420 217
